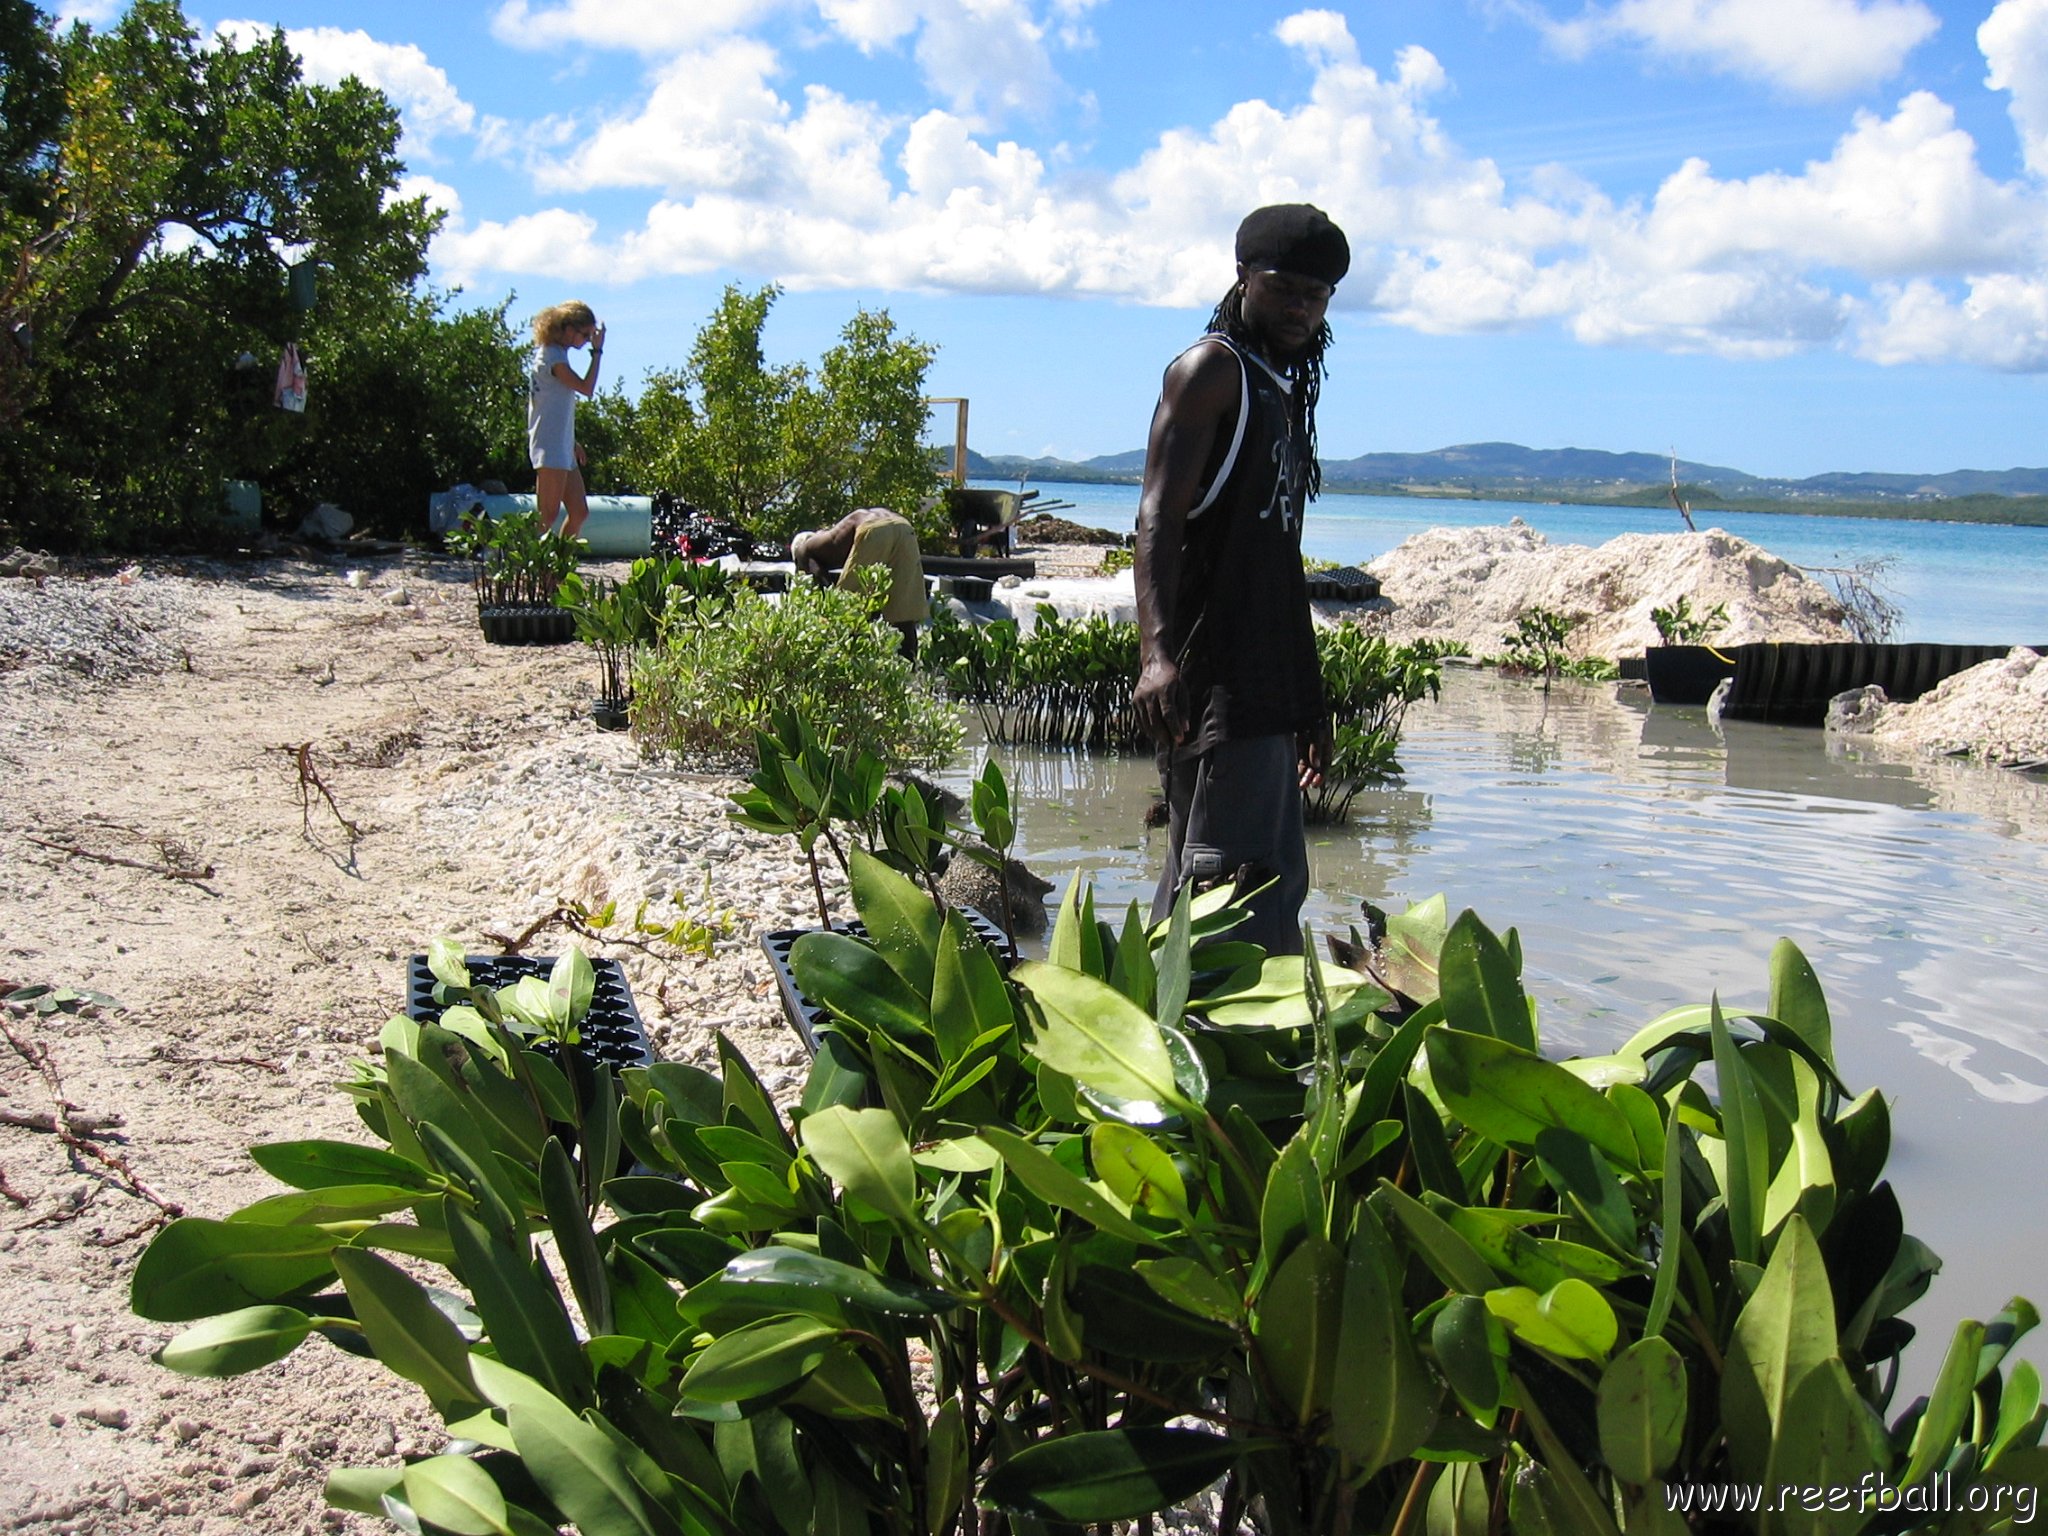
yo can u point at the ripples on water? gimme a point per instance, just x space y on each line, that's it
1649 860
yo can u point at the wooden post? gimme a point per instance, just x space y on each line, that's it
959 403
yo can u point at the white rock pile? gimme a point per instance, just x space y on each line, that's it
1471 584
1997 711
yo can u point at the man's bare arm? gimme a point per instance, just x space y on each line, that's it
828 551
1198 400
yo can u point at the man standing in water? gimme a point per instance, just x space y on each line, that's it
1229 684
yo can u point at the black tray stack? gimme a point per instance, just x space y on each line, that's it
613 1033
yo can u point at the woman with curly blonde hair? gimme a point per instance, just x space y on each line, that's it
551 411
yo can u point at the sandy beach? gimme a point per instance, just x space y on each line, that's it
160 852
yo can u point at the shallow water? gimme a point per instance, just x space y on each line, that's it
1650 860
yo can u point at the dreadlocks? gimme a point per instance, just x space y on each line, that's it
1307 374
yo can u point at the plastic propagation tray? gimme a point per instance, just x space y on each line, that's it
613 1034
807 1017
527 625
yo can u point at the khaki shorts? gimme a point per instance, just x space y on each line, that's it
892 544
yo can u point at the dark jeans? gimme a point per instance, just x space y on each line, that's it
1239 805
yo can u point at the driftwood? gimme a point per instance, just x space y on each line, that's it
63 1120
1684 510
168 870
310 786
67 1116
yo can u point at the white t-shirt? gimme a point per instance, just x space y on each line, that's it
550 412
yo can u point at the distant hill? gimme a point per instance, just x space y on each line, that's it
1957 482
1582 474
1510 465
1112 468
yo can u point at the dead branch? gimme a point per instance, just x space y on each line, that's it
572 920
13 1196
148 1225
321 956
67 1117
1867 608
167 869
73 1205
1684 511
310 784
561 917
82 1149
165 1054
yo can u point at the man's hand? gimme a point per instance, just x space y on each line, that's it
1160 703
1314 746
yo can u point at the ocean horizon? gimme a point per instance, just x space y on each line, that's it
1954 583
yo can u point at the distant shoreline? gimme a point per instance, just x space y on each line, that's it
1990 510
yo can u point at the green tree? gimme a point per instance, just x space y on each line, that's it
151 217
406 400
31 107
607 428
875 412
777 447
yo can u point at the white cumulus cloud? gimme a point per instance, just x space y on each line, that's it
1811 47
713 122
427 102
438 194
1998 321
1899 195
1896 244
639 26
2014 38
988 58
553 243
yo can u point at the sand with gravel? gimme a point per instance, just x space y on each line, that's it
255 944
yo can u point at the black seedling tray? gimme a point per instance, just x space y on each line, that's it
807 1017
513 625
613 1033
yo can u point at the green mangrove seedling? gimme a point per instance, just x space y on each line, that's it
1154 1215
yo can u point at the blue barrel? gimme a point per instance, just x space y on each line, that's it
620 527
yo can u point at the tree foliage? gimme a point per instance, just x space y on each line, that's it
155 191
781 447
719 678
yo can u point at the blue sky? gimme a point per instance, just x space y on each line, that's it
1785 235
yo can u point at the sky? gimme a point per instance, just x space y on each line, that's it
1787 236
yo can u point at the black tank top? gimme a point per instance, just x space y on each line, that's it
1243 635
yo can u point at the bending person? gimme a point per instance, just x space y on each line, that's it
552 388
872 536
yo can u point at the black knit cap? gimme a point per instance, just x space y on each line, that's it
1294 237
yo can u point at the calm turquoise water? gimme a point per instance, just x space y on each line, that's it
1958 583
